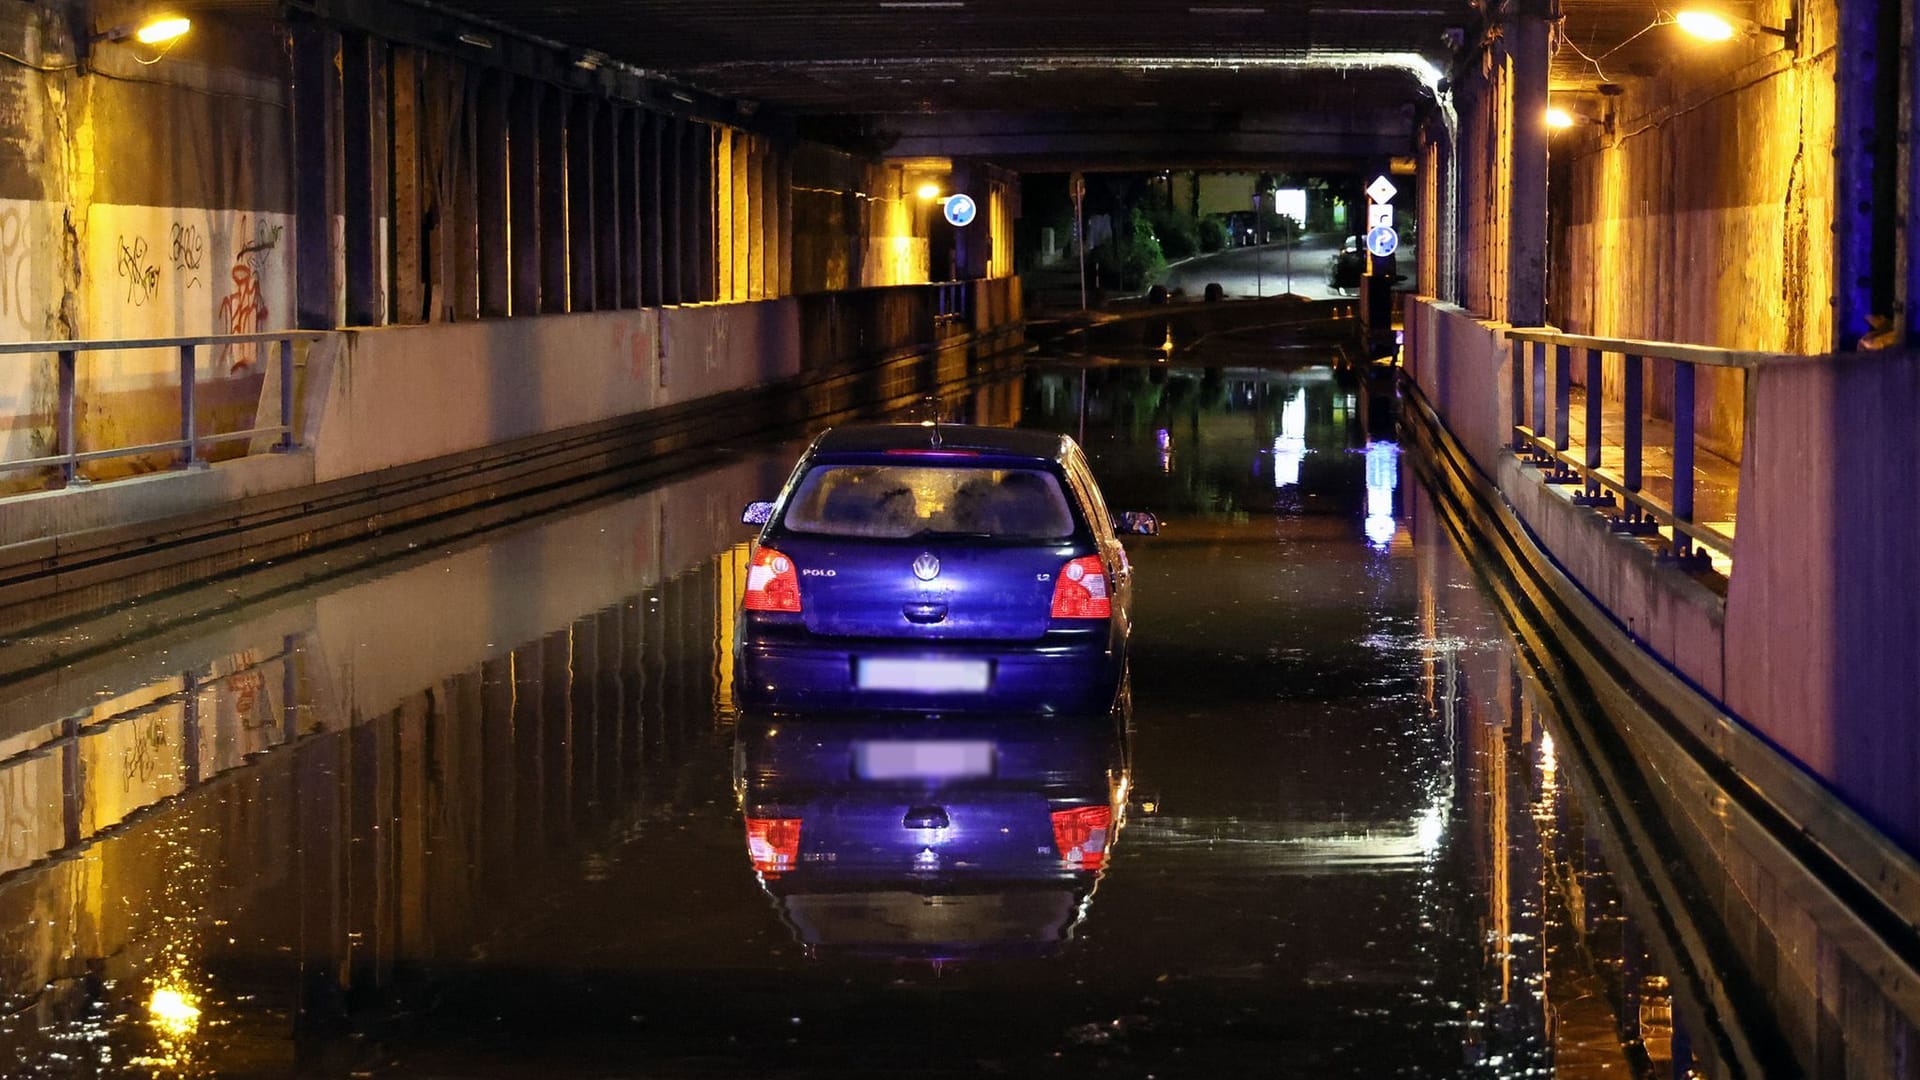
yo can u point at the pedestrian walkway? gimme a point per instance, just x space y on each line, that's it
1716 480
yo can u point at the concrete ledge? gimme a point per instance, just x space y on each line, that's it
43 583
1864 886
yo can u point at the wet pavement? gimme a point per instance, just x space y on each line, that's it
486 809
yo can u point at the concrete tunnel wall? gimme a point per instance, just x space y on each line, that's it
165 199
1702 216
1811 647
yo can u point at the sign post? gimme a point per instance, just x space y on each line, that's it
1078 186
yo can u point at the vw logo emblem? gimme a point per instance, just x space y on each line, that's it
926 567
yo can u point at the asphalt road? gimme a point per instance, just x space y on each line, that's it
1264 271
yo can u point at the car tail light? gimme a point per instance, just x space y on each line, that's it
773 582
1081 834
1080 590
774 844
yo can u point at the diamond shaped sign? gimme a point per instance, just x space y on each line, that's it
1381 190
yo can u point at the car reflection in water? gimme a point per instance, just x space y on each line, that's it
933 839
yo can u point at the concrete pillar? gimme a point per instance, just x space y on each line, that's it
317 173
554 278
409 246
581 223
607 219
490 172
1527 221
523 193
361 131
1867 284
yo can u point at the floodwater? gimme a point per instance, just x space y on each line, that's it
478 809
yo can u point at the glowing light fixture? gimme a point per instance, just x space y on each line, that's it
158 30
929 191
1705 25
162 30
1558 118
1712 26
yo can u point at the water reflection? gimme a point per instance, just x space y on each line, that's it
489 810
931 839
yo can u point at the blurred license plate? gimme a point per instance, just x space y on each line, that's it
930 676
919 760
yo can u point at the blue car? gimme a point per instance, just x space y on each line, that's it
936 568
916 838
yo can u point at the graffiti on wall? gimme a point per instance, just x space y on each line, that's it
244 310
14 295
138 269
189 250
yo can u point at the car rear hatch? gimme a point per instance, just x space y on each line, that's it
970 562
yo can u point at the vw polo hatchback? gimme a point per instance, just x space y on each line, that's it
936 568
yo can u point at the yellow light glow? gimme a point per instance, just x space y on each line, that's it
1705 25
1558 118
173 1012
160 31
929 191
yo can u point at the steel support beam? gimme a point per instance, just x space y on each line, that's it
1527 167
523 194
553 201
581 224
491 171
317 173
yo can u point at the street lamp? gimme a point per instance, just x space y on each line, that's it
1713 26
155 31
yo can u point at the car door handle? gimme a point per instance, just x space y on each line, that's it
925 613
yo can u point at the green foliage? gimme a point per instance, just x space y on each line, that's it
1213 233
1178 233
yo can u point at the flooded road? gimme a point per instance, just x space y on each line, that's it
488 810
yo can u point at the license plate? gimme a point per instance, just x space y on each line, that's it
922 760
926 676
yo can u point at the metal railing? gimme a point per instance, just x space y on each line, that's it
1547 438
188 445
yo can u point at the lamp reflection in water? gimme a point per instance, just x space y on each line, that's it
1291 444
1383 478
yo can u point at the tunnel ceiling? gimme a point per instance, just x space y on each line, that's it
1188 84
877 56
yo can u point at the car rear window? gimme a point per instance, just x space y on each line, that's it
895 502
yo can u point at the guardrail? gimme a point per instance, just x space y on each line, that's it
70 456
1547 439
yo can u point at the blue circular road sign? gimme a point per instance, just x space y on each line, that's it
960 210
1382 241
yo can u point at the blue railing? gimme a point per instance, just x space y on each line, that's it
69 457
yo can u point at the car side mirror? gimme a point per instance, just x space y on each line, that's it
1139 523
756 513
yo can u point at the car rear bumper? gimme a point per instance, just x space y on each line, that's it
1075 677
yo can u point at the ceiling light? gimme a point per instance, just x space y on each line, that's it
478 41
